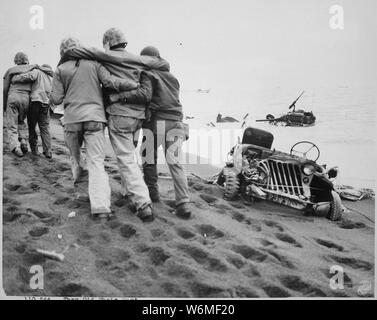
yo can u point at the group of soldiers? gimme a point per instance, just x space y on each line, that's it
112 88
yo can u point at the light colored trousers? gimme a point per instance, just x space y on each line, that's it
122 132
17 109
92 133
170 135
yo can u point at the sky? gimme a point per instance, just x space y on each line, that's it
243 44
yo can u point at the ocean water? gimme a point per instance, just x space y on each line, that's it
345 130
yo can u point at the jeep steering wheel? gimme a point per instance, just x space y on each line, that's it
306 149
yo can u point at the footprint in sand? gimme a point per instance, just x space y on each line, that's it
32 257
11 214
254 223
267 243
251 271
238 216
209 231
237 205
287 238
56 276
353 263
274 225
242 292
285 262
127 230
295 283
221 208
34 186
204 258
175 269
12 187
236 261
119 254
348 224
11 201
250 253
42 215
157 233
208 198
61 200
84 238
21 247
158 256
204 290
114 223
185 233
38 231
275 291
329 244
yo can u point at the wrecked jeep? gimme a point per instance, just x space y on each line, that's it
255 171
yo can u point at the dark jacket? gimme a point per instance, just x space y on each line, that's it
165 104
159 89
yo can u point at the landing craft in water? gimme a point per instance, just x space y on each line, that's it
294 118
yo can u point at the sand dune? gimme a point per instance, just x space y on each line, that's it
228 249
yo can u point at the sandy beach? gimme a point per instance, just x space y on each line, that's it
227 250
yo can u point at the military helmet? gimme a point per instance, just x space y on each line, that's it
21 58
68 43
113 37
150 51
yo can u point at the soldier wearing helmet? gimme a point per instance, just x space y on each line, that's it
166 127
125 117
16 98
125 121
113 39
78 84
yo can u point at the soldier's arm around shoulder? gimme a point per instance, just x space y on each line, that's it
57 92
112 82
142 95
29 76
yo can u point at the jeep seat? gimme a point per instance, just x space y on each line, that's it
257 137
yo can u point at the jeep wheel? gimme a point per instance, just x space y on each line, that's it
232 185
336 208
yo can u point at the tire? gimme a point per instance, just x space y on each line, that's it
232 186
336 208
